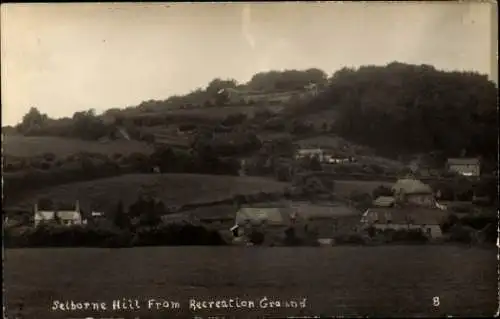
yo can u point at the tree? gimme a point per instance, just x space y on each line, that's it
32 120
422 108
121 220
381 190
87 126
45 204
256 237
218 84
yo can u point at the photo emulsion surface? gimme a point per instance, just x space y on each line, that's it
249 160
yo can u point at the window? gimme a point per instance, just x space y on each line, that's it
428 230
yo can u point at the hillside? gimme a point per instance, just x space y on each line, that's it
172 189
32 146
402 108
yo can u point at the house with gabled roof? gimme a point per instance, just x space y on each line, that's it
70 216
271 218
413 192
465 166
426 219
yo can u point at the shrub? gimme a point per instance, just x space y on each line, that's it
450 221
382 191
49 157
377 169
257 237
408 235
48 235
291 238
460 234
355 238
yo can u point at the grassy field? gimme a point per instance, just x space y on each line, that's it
211 113
172 189
345 188
22 146
387 281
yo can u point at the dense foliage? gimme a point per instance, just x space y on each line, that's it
409 108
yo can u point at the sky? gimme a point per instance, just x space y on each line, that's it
63 58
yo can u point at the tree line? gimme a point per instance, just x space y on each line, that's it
403 108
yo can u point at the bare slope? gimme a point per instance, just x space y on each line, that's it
23 146
172 189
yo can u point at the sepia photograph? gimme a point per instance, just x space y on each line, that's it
249 160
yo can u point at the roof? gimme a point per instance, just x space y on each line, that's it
384 201
464 161
411 186
68 215
269 215
417 215
309 150
325 211
45 215
64 215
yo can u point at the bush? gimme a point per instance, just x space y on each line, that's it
450 221
256 237
356 239
377 169
93 236
408 235
234 119
460 234
49 157
381 191
45 166
291 238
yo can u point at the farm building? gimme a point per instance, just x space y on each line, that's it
324 219
270 219
62 216
426 219
465 166
413 191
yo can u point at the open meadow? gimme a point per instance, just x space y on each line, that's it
345 188
336 281
32 146
172 189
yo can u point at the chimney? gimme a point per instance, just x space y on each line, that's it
35 208
77 205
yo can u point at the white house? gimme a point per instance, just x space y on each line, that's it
63 217
465 166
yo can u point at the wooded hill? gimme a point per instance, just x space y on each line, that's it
402 108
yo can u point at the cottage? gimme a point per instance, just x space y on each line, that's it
465 166
272 220
63 217
426 219
324 219
413 191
